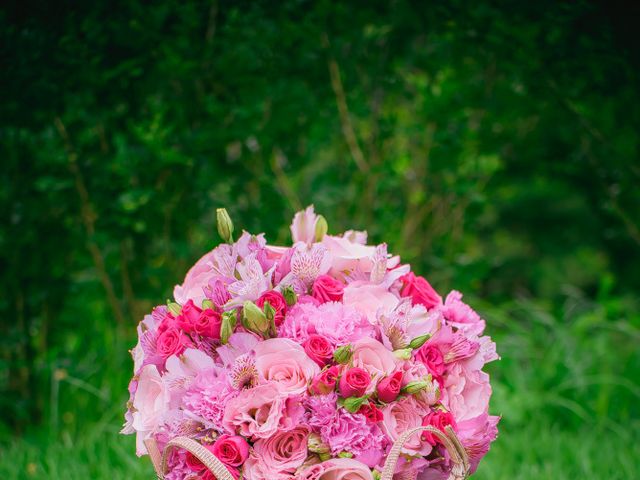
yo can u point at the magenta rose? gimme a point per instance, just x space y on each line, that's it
171 342
208 324
419 290
439 420
207 475
431 356
231 450
193 463
277 301
372 413
188 317
327 289
354 382
325 382
319 349
389 387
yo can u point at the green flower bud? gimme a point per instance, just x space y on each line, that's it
174 308
419 341
254 319
229 322
289 296
353 404
403 353
225 225
321 228
376 475
345 455
207 304
343 354
412 388
325 456
316 445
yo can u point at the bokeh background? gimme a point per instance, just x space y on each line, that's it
494 145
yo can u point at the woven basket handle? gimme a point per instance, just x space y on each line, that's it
207 458
459 457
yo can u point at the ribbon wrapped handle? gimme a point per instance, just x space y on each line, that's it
459 457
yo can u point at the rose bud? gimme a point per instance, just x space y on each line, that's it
193 463
354 382
389 387
327 289
419 290
225 225
432 358
171 342
372 413
208 324
188 316
325 382
231 450
277 302
439 420
319 349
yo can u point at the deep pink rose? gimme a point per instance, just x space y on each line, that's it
354 382
439 420
172 342
325 382
318 349
432 357
419 290
231 450
372 413
277 301
188 317
207 475
327 289
389 387
193 463
208 324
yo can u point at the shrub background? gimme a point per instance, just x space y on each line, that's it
494 145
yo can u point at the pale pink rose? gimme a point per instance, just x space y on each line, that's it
370 299
278 456
404 415
476 435
337 469
262 411
285 362
348 256
150 405
303 226
375 358
468 393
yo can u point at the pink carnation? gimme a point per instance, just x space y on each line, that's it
207 397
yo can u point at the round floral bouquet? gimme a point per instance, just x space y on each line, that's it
325 360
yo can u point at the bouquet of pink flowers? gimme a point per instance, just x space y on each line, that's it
325 360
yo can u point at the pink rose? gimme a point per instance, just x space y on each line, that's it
208 324
439 420
375 358
172 342
279 455
150 404
401 416
389 387
419 290
337 469
193 463
189 314
468 393
325 382
277 301
231 450
354 382
285 362
431 356
319 349
262 411
207 475
327 289
371 413
369 299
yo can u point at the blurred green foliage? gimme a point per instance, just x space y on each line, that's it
494 145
